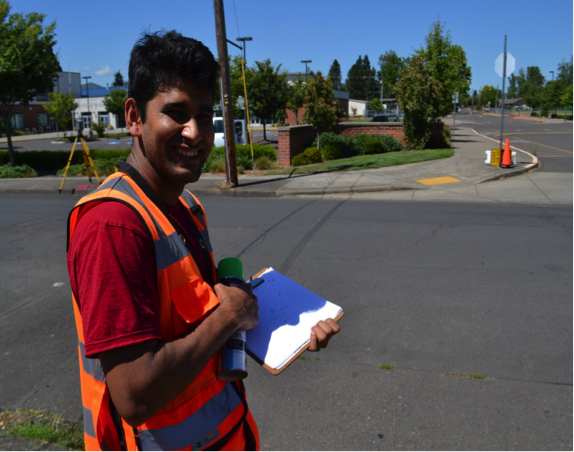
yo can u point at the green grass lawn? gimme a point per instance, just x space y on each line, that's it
363 162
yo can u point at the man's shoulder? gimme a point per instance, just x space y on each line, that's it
112 213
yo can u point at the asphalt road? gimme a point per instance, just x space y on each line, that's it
551 142
434 289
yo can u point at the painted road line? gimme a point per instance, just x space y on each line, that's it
438 180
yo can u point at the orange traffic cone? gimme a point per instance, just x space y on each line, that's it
506 161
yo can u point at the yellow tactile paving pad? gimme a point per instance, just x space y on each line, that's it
438 180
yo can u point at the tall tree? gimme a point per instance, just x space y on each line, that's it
534 76
390 64
448 65
512 92
322 111
115 103
118 79
28 65
361 80
335 75
419 94
565 71
267 90
372 86
60 107
354 82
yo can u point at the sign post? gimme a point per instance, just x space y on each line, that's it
503 65
454 101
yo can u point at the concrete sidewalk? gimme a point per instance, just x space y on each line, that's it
466 168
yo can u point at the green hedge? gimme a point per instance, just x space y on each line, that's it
360 144
242 155
56 160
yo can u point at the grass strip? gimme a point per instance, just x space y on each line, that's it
41 425
386 366
474 376
363 162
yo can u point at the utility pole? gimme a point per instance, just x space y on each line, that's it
227 107
306 61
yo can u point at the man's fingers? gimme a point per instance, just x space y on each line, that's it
322 333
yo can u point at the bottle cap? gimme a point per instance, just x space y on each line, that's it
230 266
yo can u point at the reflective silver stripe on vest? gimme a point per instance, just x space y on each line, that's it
198 430
89 428
91 366
169 249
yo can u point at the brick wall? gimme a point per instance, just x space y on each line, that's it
294 140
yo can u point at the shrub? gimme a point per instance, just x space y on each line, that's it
9 171
217 165
100 128
373 145
307 157
330 151
242 155
264 163
359 143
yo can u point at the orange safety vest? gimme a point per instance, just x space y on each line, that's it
210 414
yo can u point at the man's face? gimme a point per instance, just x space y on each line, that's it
178 135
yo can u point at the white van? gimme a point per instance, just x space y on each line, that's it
241 135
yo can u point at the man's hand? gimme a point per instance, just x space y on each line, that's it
240 303
322 333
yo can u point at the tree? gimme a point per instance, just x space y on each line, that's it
28 65
487 95
512 92
390 64
566 98
419 94
551 98
448 65
322 111
118 79
534 76
115 103
565 71
60 107
335 75
297 96
376 104
361 82
267 90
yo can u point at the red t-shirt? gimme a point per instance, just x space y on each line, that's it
112 274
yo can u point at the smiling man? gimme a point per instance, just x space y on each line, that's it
149 313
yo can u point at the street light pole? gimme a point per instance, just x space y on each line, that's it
244 40
306 61
87 77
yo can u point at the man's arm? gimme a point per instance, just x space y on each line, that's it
145 377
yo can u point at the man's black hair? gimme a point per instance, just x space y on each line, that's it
162 60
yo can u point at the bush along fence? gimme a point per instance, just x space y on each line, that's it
54 161
296 139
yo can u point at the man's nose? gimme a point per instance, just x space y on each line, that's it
191 131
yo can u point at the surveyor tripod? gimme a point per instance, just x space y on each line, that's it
87 159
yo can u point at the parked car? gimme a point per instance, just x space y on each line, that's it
385 117
240 132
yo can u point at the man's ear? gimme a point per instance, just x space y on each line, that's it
133 118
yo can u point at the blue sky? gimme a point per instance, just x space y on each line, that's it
95 38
